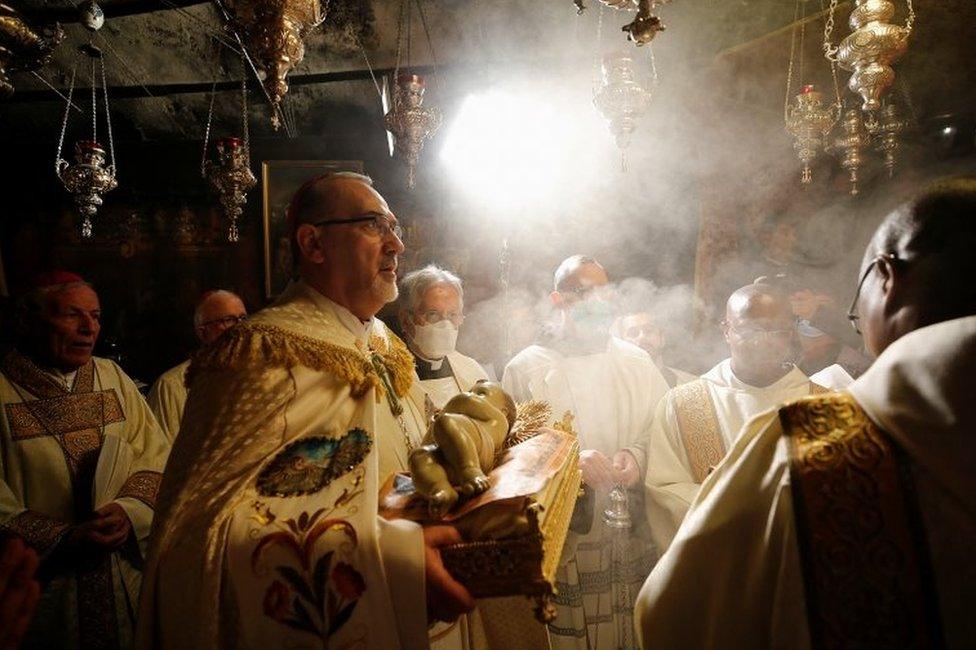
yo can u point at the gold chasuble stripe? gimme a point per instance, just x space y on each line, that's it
701 433
866 570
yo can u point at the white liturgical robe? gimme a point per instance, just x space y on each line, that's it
673 476
68 450
612 396
734 577
464 373
167 398
268 534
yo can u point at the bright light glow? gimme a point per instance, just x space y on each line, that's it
516 151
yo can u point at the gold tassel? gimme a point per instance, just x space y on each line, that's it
256 344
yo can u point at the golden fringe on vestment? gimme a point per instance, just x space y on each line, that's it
256 344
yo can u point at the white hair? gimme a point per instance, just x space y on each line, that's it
205 300
415 284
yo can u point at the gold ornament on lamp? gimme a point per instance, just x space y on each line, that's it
229 171
274 33
853 140
886 129
88 178
22 48
870 49
410 122
807 119
645 25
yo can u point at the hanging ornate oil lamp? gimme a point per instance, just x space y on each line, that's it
809 121
886 130
621 98
410 122
228 171
869 50
274 32
852 141
88 178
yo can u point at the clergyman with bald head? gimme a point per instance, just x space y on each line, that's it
699 421
848 519
611 388
294 420
216 312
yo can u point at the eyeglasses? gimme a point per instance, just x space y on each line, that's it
852 314
432 316
373 223
225 321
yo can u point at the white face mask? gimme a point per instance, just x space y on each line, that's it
435 341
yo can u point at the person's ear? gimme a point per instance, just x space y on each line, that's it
726 331
557 299
309 243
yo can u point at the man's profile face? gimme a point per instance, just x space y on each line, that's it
218 314
69 328
641 330
359 258
588 281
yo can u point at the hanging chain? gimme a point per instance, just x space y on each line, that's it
94 101
401 21
598 51
650 48
108 118
206 133
789 68
430 43
803 34
830 51
64 122
247 133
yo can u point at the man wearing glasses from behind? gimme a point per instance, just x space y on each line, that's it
216 312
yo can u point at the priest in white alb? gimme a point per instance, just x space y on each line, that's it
697 422
611 388
849 519
83 458
268 534
215 313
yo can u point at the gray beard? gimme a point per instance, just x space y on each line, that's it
386 291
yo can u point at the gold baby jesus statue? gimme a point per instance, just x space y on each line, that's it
506 480
461 446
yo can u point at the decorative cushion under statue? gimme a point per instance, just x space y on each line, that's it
461 446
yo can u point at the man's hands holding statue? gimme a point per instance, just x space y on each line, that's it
447 599
602 473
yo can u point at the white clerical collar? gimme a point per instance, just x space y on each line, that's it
66 379
723 375
435 364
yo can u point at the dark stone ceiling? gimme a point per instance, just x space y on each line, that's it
746 39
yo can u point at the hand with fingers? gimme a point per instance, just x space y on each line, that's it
626 472
597 470
19 591
447 599
107 529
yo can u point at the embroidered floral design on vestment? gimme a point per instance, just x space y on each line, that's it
309 594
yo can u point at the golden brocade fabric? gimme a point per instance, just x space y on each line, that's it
143 486
698 423
255 344
865 563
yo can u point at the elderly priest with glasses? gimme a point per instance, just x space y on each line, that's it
430 314
216 312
